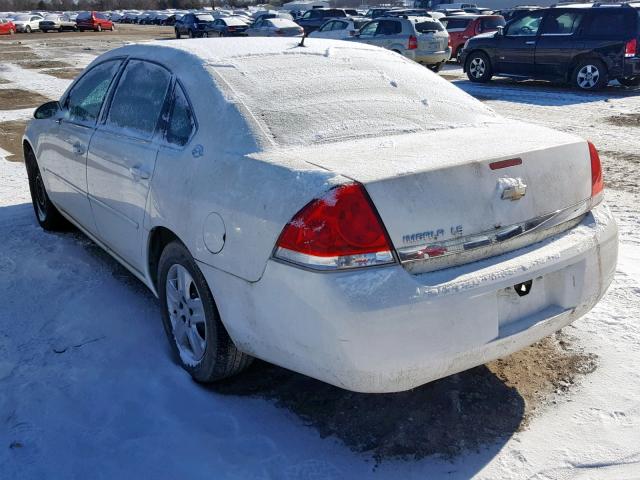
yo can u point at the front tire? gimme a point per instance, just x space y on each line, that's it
191 319
178 34
590 74
47 214
191 34
27 29
99 28
435 68
479 67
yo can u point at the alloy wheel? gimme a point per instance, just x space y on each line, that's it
186 314
477 67
588 77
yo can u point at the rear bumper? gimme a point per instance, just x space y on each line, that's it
431 58
632 67
385 330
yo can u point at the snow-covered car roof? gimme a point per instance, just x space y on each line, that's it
324 91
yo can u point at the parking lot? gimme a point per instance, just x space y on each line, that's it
494 421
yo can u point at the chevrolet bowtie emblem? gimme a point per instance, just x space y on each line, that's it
515 190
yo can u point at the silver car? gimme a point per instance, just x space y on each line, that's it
58 23
422 39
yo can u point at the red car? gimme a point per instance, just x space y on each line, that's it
93 21
462 27
7 27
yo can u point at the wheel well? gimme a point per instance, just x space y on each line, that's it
29 154
159 238
579 58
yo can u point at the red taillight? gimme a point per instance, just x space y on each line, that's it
413 42
597 181
631 48
232 29
279 32
339 230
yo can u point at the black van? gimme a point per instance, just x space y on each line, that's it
586 45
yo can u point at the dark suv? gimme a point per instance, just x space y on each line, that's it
313 19
586 46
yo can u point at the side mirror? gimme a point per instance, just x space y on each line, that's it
47 110
500 31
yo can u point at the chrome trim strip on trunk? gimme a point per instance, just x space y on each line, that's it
469 248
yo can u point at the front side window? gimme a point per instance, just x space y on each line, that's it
327 26
182 124
562 23
526 26
369 28
139 99
85 100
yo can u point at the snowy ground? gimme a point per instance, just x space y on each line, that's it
88 389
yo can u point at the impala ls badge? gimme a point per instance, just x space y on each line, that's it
514 189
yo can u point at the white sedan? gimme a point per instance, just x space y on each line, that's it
27 23
339 28
333 208
275 27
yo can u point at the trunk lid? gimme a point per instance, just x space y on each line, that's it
455 188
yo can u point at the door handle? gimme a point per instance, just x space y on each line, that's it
78 148
530 42
138 173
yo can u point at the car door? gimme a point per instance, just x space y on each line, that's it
122 157
388 35
63 150
325 31
559 40
515 52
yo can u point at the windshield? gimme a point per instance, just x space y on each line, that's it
295 100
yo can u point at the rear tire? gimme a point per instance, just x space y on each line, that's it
435 68
629 82
178 34
27 29
205 34
99 28
191 319
47 214
479 67
590 74
191 34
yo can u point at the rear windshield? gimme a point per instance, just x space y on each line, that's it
455 23
204 18
294 99
429 26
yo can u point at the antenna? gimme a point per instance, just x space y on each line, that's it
301 44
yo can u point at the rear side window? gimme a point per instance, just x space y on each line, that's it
139 98
335 13
388 27
84 102
182 124
610 24
429 26
456 23
562 23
